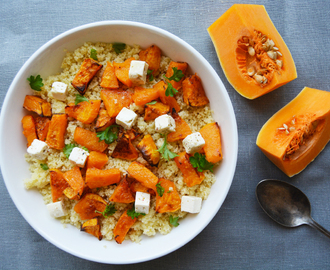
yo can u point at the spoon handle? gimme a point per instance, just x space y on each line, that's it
317 226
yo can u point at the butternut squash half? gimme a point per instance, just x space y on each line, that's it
252 53
297 133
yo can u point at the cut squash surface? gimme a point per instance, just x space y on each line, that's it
297 133
253 55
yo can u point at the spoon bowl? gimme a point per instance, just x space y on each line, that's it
286 204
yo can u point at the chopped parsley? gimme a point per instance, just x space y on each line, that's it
44 166
118 47
165 152
94 54
80 98
174 221
35 82
152 102
68 149
85 148
177 76
199 161
160 189
108 135
108 211
134 214
170 90
151 77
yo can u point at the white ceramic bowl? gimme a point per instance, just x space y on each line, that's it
46 61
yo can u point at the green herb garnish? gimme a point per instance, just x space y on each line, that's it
35 82
174 221
134 214
160 189
170 90
177 75
152 102
85 148
108 211
118 47
151 77
94 54
108 135
44 166
165 152
199 161
68 149
80 98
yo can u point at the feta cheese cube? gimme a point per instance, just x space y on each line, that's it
138 72
56 209
191 204
193 143
165 124
78 157
59 90
38 149
142 202
126 118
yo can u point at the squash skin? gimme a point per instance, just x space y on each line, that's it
239 20
312 102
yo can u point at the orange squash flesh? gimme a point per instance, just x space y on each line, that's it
97 160
142 95
152 111
29 129
122 193
182 129
109 79
170 201
57 184
88 204
122 71
100 178
56 131
38 105
297 133
143 175
42 126
92 227
122 227
243 21
75 181
89 139
85 111
115 100
212 147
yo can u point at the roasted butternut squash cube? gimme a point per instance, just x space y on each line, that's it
148 149
103 120
122 193
138 186
92 227
168 100
38 105
57 184
125 149
182 129
42 126
100 178
152 111
85 111
87 71
190 175
142 95
57 128
170 200
75 181
87 206
109 79
143 175
212 138
122 71
29 129
97 160
122 227
152 56
115 100
193 92
89 139
180 66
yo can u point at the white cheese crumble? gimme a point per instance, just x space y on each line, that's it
138 72
142 202
78 157
38 149
193 143
126 118
191 204
56 209
59 91
165 124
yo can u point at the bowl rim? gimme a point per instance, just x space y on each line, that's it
32 58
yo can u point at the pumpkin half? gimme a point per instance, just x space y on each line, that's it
297 133
252 53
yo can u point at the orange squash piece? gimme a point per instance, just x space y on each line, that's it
182 129
122 227
57 128
180 66
100 178
29 129
193 91
85 111
122 193
170 201
212 138
149 149
125 149
89 139
143 175
88 204
296 134
115 100
152 111
109 79
152 56
75 181
247 44
57 184
142 95
122 70
38 105
103 120
92 227
87 71
138 186
97 160
168 100
42 126
190 175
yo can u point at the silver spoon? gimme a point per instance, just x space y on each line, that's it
286 204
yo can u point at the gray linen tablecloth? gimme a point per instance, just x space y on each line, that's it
240 236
